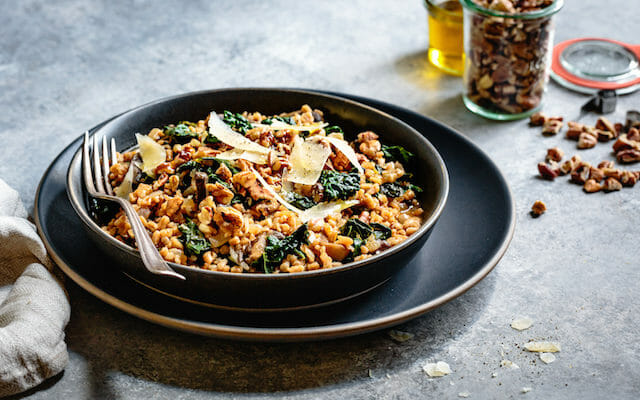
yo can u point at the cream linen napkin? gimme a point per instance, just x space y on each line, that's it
35 311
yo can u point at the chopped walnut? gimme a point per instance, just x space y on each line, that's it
537 119
547 172
586 141
551 127
592 186
611 185
538 208
554 154
628 156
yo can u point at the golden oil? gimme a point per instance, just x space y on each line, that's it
446 50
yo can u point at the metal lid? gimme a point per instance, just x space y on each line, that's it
591 64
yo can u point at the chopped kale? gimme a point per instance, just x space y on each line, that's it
339 185
180 133
298 200
396 153
332 129
102 211
286 120
216 163
392 189
210 139
358 231
277 249
236 121
356 228
193 240
397 188
381 232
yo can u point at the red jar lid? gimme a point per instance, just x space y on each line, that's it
590 64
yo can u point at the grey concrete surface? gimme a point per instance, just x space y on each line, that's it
67 65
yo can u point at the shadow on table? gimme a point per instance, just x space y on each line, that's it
111 340
442 100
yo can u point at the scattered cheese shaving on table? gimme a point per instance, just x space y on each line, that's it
542 347
521 324
437 369
547 358
400 336
509 364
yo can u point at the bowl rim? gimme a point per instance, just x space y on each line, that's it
441 200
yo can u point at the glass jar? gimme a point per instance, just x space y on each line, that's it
507 58
445 35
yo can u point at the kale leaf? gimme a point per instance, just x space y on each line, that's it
396 189
396 153
193 240
356 228
210 139
358 231
286 120
332 129
392 189
339 185
277 250
237 121
298 200
180 133
103 211
381 232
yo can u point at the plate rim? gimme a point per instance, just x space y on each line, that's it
297 333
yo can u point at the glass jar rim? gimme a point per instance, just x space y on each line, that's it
544 12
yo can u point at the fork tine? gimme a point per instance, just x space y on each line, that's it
86 165
114 154
105 166
97 170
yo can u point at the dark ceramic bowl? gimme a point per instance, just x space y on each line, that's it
259 292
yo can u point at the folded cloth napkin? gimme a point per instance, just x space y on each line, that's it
35 311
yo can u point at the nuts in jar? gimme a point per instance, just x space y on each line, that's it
508 45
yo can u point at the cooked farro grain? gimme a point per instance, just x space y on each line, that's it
219 215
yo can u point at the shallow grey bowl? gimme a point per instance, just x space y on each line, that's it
259 292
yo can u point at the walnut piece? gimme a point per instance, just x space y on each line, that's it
538 208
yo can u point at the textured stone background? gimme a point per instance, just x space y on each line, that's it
67 65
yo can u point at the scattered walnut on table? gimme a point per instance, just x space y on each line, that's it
554 154
552 127
592 186
611 185
547 171
586 141
538 208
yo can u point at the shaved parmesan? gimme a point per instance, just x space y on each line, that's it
272 192
152 154
522 323
323 210
307 161
279 126
126 186
547 358
234 154
542 347
225 134
438 369
345 149
319 211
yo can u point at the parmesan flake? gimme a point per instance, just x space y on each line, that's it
542 347
225 134
152 154
307 160
437 369
521 324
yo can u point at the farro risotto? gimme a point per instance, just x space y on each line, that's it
253 193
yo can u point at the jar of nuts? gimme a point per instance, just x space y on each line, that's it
508 47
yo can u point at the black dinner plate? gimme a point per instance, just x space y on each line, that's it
471 236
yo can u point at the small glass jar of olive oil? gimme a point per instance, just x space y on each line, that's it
446 50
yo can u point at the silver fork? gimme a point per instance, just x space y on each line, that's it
101 188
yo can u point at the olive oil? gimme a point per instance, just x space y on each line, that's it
446 49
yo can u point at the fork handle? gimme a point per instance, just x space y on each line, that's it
148 251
